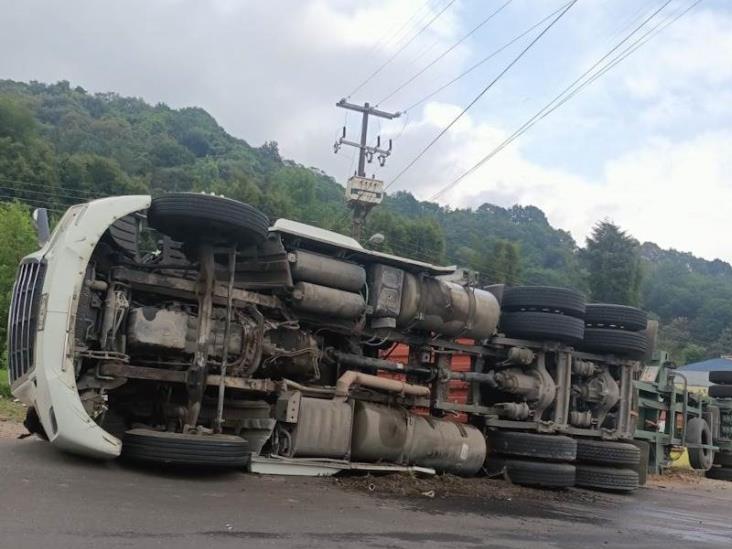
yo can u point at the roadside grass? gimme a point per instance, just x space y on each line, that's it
9 410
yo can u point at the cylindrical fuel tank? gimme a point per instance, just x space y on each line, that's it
383 433
448 308
326 271
321 300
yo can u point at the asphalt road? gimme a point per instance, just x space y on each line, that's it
52 500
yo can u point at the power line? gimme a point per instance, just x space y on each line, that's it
401 49
382 41
486 58
561 98
482 92
444 53
550 107
564 96
48 187
30 202
41 193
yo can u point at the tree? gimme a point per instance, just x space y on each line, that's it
16 121
499 263
722 346
19 239
675 338
613 263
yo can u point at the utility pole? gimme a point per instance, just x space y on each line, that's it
362 193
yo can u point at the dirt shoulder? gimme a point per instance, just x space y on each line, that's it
11 410
446 487
11 429
12 414
688 481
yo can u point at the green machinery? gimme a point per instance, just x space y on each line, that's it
670 417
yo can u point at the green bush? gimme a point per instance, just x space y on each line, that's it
4 384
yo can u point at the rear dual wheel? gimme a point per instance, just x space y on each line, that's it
547 299
615 329
543 326
620 317
543 313
720 473
532 445
720 391
608 465
617 342
531 459
606 478
723 377
532 473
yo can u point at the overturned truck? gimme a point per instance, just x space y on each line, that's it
185 329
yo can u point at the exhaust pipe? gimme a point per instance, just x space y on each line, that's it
351 377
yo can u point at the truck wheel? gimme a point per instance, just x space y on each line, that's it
617 342
531 445
720 473
608 315
720 391
544 298
723 377
193 217
723 458
698 432
181 449
642 467
606 478
532 473
543 326
605 452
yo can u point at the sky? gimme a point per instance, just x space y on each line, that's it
647 145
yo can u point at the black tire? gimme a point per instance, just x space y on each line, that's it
543 326
182 449
642 467
191 218
606 478
723 458
544 298
606 452
723 377
607 315
720 473
617 342
720 391
124 233
532 473
532 445
698 432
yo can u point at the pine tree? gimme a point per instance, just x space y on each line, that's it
613 264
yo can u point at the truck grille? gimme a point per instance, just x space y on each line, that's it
23 317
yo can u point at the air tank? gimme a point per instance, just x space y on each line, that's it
447 308
326 271
321 300
393 434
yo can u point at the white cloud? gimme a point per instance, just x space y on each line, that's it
677 194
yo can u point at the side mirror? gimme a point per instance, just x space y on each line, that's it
40 220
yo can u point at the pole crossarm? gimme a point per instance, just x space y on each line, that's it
367 109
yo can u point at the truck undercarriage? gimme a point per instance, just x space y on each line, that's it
200 334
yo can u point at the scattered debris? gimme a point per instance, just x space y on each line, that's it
449 486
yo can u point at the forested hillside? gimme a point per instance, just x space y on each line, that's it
61 145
